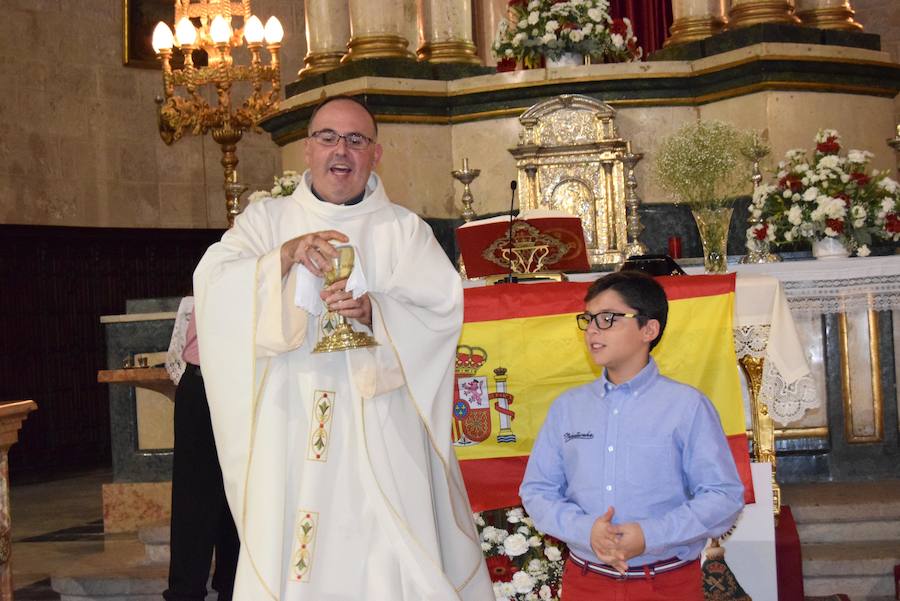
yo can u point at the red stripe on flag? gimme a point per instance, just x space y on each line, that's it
740 450
493 483
510 301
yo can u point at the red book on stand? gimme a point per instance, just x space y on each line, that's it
541 241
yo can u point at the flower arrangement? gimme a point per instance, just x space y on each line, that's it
704 164
536 29
828 196
524 564
285 184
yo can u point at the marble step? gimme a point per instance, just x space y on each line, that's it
844 502
863 570
155 539
859 531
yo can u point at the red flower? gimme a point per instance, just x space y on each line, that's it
618 26
517 2
761 232
500 568
861 179
829 146
835 224
892 223
791 181
569 25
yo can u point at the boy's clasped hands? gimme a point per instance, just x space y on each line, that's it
615 544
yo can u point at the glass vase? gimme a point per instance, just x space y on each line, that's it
713 226
830 248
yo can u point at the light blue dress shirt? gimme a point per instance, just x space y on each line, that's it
652 448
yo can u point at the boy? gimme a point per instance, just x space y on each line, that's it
633 470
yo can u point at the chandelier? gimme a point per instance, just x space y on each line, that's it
210 25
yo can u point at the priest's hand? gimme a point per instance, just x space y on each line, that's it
605 541
314 251
337 299
631 539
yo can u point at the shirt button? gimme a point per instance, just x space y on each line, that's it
615 412
608 487
610 448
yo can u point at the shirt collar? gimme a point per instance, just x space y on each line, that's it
353 201
635 384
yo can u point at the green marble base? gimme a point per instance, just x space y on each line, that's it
766 33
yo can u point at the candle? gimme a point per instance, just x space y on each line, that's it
675 247
465 165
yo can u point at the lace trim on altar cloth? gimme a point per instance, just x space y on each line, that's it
174 362
881 293
787 401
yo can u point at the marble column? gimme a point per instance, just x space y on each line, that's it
327 34
379 29
488 14
695 20
11 417
445 26
827 14
744 13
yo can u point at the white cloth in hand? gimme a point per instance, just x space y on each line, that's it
309 285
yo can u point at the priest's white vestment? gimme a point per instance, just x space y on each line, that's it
338 466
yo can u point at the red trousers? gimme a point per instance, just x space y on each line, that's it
682 584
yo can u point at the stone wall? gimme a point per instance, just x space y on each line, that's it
882 17
78 138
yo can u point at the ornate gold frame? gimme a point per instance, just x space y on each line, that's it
569 158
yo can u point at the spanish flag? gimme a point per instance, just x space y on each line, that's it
520 349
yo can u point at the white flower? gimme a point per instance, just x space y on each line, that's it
830 233
887 204
890 185
548 37
795 215
515 545
485 546
552 553
523 582
595 14
786 193
587 29
829 161
859 156
576 35
534 541
552 26
617 40
508 52
515 515
801 167
479 520
277 190
536 566
811 194
545 593
531 596
533 17
533 4
508 588
863 251
845 178
519 38
523 24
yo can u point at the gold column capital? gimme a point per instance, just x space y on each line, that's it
319 62
377 46
830 17
692 29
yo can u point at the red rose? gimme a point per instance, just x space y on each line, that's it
618 26
835 224
829 146
791 181
569 25
861 179
892 223
500 568
761 232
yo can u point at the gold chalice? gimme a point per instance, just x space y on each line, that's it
342 336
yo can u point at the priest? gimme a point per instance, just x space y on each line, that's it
338 466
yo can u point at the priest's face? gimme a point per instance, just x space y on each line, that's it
340 172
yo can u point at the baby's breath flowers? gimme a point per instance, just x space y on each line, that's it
702 164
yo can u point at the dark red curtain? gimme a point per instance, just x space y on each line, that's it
651 20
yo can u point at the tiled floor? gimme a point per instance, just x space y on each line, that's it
57 528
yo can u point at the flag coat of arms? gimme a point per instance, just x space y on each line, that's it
520 348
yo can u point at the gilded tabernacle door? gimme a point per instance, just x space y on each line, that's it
569 158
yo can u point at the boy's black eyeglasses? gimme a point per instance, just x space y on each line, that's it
354 140
603 320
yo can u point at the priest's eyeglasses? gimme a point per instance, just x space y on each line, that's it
603 320
354 140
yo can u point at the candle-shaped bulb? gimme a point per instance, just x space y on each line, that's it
162 37
465 165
